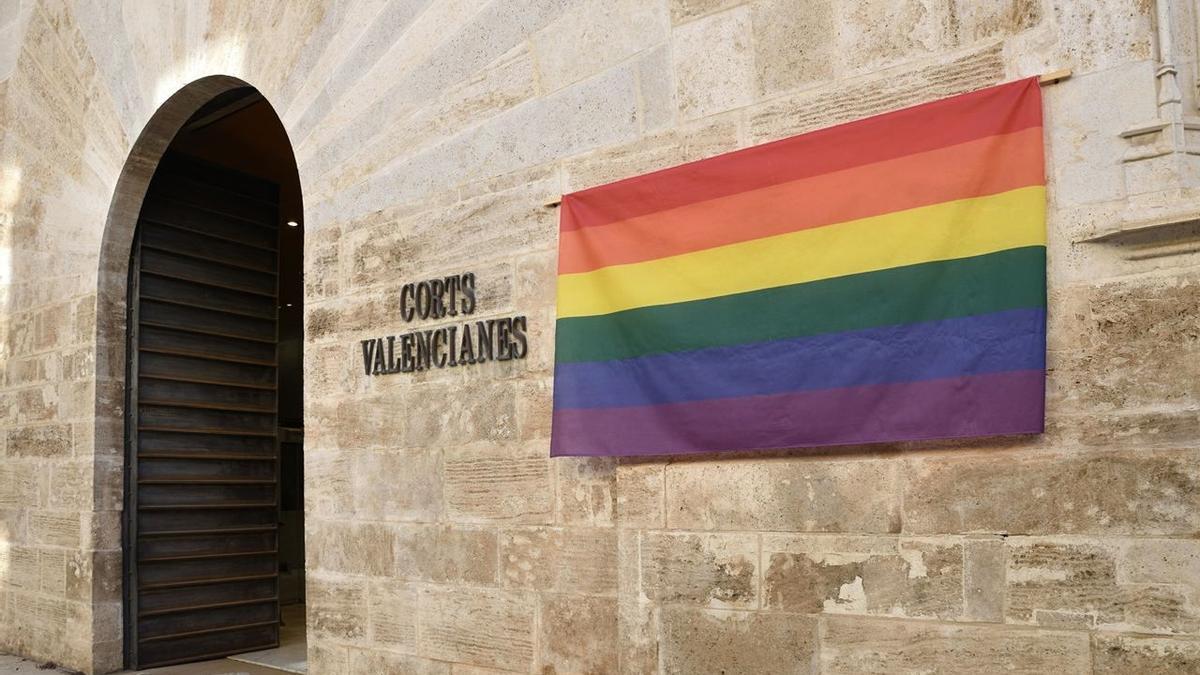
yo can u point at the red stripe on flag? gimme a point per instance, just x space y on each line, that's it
996 110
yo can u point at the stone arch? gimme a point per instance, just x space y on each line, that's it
111 357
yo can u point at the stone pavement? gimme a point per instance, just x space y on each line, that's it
15 665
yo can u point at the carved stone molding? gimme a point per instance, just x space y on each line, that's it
1162 167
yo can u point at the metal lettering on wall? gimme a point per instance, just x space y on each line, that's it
463 344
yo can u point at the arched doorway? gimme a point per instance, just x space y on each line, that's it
213 526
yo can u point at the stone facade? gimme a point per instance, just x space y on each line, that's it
430 136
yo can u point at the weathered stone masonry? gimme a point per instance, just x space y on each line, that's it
430 135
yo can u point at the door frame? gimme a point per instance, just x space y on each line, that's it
109 419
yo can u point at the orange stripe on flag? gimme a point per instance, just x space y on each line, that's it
976 168
988 112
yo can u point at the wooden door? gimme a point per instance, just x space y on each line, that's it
202 497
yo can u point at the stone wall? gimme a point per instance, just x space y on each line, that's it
430 136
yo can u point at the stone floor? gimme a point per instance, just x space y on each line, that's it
292 653
289 657
15 665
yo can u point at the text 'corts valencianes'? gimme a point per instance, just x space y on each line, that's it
461 344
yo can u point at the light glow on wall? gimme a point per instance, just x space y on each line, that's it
226 56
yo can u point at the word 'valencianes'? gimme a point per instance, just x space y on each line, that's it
463 344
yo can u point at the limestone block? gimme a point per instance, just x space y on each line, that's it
55 528
352 317
94 576
1130 492
384 29
1145 428
697 140
598 111
715 641
324 657
51 440
446 554
1084 151
331 368
640 492
69 400
497 222
530 180
80 364
23 570
976 21
53 327
1140 351
714 570
1069 578
535 281
561 560
686 10
437 415
55 635
388 253
84 439
784 494
7 627
106 629
351 547
31 369
586 490
52 569
392 615
457 41
377 661
794 44
1120 654
70 485
578 634
102 530
401 485
510 80
336 609
18 483
638 617
328 482
656 84
878 33
863 575
594 35
23 635
1160 561
848 100
1100 34
37 404
366 422
535 407
539 363
466 669
485 482
478 627
869 645
985 562
714 63
322 263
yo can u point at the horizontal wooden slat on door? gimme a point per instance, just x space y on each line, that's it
204 478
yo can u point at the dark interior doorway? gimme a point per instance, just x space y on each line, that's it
214 529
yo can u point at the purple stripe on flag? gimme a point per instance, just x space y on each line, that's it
978 405
971 345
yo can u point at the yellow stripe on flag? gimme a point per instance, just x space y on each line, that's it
946 231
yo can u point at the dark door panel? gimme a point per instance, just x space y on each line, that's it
203 498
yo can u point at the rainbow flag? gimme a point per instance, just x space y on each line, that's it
883 280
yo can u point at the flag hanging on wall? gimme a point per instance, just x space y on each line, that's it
882 280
